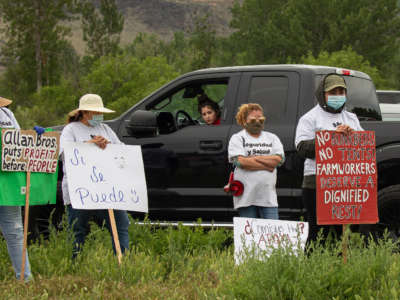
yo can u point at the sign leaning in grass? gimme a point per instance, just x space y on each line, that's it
346 178
259 237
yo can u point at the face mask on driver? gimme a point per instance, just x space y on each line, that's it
96 120
336 102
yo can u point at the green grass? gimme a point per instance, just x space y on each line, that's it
194 263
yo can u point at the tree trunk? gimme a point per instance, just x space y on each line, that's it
38 50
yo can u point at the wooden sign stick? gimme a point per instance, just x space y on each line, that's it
26 222
115 235
344 243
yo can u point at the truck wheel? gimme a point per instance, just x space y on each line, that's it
389 211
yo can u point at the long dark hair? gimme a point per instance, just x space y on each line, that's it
75 117
204 101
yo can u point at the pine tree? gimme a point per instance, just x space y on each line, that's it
102 27
34 37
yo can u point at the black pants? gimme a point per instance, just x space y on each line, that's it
310 203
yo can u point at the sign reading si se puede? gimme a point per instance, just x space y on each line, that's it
260 237
346 177
102 179
25 151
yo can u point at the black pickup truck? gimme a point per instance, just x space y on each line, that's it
186 162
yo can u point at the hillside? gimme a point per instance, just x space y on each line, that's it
163 18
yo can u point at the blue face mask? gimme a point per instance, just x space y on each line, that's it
336 102
96 120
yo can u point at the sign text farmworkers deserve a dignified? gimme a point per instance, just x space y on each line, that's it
346 180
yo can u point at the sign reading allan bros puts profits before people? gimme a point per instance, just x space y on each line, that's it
112 178
25 151
346 180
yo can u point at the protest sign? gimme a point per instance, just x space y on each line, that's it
346 177
112 178
43 186
25 151
263 236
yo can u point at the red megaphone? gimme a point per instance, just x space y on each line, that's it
234 187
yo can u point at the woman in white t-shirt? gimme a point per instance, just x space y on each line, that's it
256 154
85 125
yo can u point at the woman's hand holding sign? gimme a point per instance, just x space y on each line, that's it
99 141
345 129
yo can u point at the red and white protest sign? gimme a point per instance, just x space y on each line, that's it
346 178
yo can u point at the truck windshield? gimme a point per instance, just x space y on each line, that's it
361 98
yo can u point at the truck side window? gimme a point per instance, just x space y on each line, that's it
272 94
180 109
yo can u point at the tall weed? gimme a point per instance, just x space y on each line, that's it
196 263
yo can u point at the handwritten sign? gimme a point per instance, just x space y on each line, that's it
346 180
25 151
263 236
109 178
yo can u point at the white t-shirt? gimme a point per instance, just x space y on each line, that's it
259 186
79 132
7 119
318 119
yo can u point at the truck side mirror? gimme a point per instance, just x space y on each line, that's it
142 124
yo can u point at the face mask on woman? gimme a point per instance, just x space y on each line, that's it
336 102
96 120
255 126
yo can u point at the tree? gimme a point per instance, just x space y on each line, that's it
202 39
271 31
34 37
347 59
101 31
123 80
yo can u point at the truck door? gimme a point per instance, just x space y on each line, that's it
278 92
186 161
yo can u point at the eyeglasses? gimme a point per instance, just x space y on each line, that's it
258 120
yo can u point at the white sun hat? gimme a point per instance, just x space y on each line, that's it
4 102
91 102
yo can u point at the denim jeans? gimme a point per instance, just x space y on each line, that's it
78 220
13 232
253 211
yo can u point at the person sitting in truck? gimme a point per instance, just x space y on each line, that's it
85 126
256 154
328 114
209 110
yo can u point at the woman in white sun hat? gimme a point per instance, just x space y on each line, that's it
85 125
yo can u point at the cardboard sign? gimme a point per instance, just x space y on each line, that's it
109 178
43 187
25 151
346 178
262 236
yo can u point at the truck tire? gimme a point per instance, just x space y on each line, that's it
389 211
